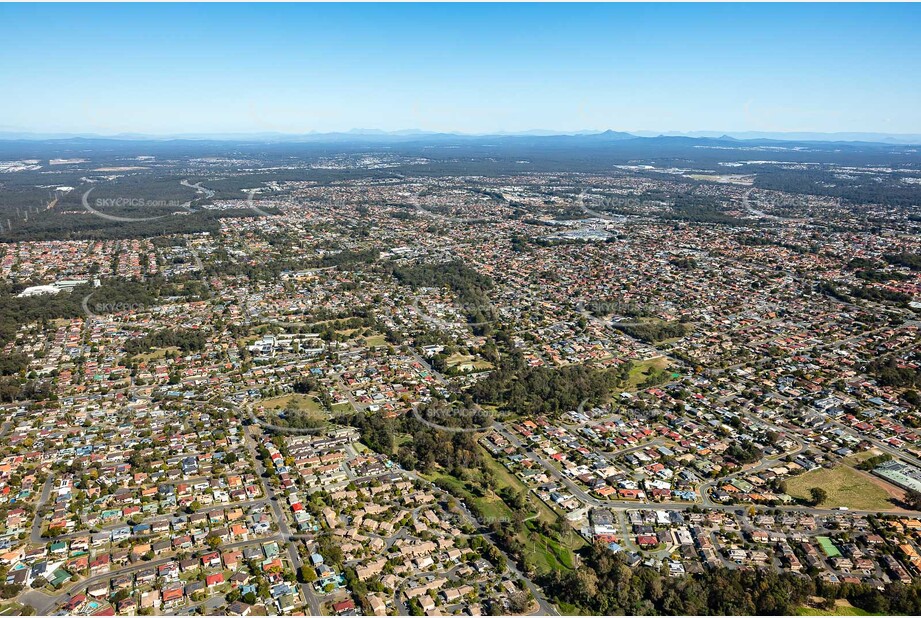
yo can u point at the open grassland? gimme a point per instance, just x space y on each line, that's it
845 487
375 341
306 403
642 370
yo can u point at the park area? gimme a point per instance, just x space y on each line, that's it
846 487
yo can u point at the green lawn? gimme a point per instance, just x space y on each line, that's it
845 487
489 506
308 403
641 370
376 341
828 547
467 362
568 610
550 554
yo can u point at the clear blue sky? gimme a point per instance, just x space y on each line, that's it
170 68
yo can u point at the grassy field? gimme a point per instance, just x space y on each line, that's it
507 479
490 506
569 610
376 341
845 486
466 362
11 609
643 369
856 458
307 403
342 408
550 554
156 354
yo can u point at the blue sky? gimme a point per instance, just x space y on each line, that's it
175 68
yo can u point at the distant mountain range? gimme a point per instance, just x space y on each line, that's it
803 136
415 135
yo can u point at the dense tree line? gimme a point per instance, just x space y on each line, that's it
604 585
864 292
50 225
14 389
880 276
874 461
879 294
859 263
470 286
890 373
11 364
348 258
891 192
376 431
684 262
692 208
521 389
654 331
910 260
186 339
110 296
429 447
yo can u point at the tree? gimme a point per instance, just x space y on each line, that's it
519 601
308 574
913 499
818 495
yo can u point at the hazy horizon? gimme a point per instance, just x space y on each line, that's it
844 136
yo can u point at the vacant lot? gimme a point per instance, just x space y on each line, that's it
846 487
842 608
641 371
156 354
466 362
375 341
307 403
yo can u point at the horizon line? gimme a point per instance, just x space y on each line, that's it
802 135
